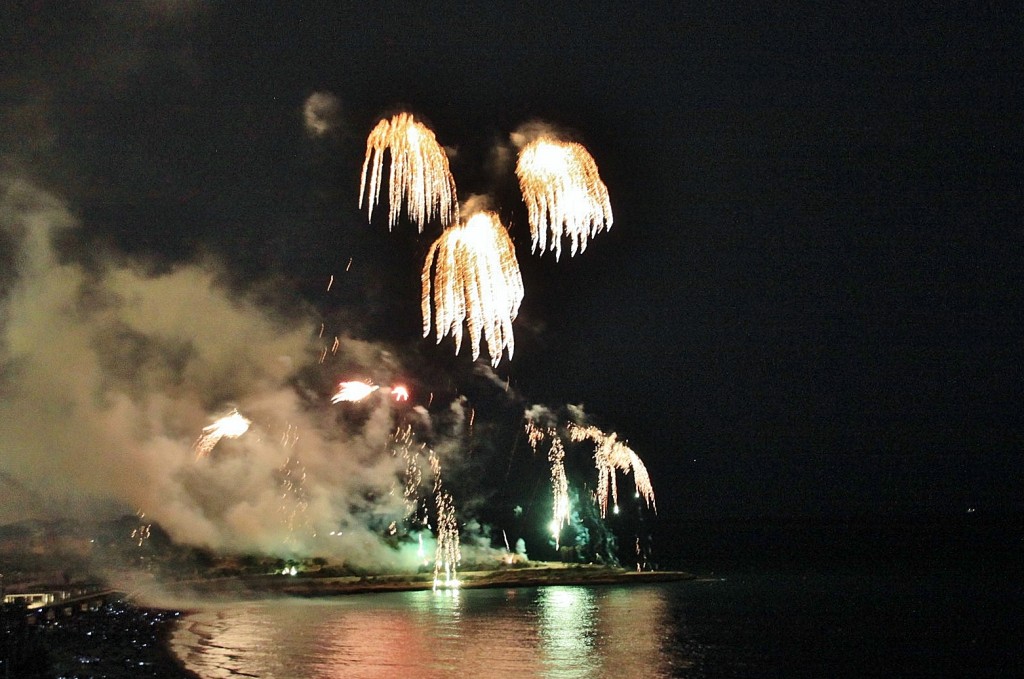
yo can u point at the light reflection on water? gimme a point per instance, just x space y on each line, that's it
539 632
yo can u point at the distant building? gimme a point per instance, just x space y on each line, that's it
32 600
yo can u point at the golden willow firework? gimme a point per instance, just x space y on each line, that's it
476 282
611 454
230 426
419 175
564 194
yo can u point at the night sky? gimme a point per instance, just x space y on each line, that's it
809 303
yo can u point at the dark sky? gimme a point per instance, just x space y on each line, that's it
810 301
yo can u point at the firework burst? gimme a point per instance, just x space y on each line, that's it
448 553
559 482
611 454
353 391
476 281
419 175
403 442
230 426
564 194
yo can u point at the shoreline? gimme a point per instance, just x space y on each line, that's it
309 586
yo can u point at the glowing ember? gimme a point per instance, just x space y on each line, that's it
353 391
230 426
611 454
564 194
399 393
419 173
476 281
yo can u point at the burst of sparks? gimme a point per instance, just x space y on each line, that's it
230 426
419 173
448 554
564 194
399 393
476 282
353 391
559 482
611 454
403 441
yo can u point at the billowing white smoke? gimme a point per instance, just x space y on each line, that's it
534 129
108 375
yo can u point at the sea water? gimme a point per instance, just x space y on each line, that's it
892 601
780 623
556 631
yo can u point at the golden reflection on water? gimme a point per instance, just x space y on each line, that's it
532 632
567 626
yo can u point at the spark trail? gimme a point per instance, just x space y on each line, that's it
230 426
419 174
353 391
404 442
559 482
476 282
294 496
448 553
564 194
611 454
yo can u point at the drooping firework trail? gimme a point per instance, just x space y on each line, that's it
564 194
471 282
559 482
230 426
419 175
476 281
611 454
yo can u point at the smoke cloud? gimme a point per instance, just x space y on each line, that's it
534 129
321 113
109 373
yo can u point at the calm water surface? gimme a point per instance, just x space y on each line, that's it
529 632
775 622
